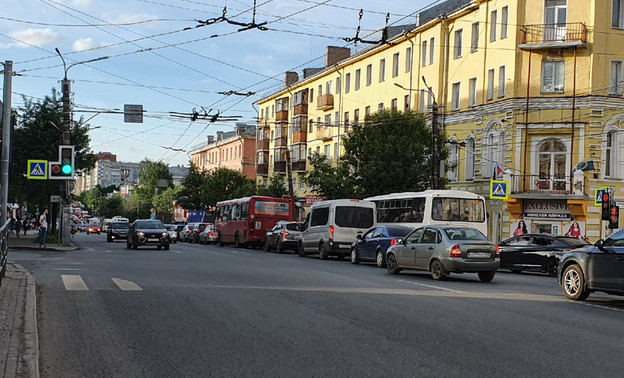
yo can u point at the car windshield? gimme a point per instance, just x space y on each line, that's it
120 225
615 240
459 233
149 224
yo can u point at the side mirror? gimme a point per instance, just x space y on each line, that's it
600 246
358 237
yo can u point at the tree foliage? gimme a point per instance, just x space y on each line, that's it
276 188
143 197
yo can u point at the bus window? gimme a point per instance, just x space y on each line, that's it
244 210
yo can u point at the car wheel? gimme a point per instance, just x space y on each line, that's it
322 252
437 270
301 250
354 256
573 283
267 246
279 248
392 265
551 266
166 247
486 276
236 241
380 260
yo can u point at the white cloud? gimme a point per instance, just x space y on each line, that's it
125 18
34 37
83 44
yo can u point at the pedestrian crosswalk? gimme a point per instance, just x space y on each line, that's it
74 282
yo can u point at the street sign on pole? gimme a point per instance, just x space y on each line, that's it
37 169
599 193
133 113
499 190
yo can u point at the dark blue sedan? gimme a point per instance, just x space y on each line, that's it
372 246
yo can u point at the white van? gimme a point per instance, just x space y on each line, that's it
332 226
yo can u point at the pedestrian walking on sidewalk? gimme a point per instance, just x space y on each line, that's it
43 227
18 227
25 225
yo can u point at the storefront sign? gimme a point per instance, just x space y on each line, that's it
312 199
546 209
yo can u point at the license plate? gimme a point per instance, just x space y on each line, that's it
479 254
153 239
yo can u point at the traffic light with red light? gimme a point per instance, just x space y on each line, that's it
614 217
606 205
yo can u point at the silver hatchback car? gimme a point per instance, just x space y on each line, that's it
443 250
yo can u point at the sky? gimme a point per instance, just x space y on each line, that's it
176 57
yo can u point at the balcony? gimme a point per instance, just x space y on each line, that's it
279 167
281 141
528 184
263 144
301 109
300 137
325 102
553 36
299 166
263 170
281 116
324 133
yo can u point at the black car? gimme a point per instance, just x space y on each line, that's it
117 231
598 267
536 252
372 246
148 232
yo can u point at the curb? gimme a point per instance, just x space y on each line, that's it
29 360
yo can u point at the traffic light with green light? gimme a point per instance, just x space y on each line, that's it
64 168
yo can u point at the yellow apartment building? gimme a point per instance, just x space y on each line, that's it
529 92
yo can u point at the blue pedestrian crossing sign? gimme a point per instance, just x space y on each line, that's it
599 193
499 189
37 169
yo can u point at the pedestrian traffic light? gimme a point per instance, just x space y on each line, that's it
606 204
614 217
64 168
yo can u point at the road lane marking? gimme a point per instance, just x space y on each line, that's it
175 251
66 268
602 307
125 285
432 286
73 282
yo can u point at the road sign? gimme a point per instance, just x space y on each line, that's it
37 169
598 197
133 113
499 190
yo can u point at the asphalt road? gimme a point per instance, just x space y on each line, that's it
197 311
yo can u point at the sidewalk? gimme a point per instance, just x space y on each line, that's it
19 340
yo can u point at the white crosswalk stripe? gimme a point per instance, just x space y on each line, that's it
125 285
73 282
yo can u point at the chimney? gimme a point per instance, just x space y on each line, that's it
219 135
335 54
210 139
291 78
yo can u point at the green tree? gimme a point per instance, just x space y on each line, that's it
192 196
224 183
276 188
329 181
37 135
111 206
143 197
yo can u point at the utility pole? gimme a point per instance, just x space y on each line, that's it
7 127
435 140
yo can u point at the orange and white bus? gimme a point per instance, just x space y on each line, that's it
244 221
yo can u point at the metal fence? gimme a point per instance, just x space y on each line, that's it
4 247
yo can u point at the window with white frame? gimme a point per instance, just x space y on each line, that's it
617 14
408 59
490 87
552 76
493 16
382 70
470 159
338 84
406 102
348 82
611 154
369 74
328 119
504 21
615 78
394 104
431 50
336 151
320 91
423 54
328 87
552 159
380 107
500 159
357 79
301 183
327 151
457 49
395 64
455 96
346 122
356 116
453 161
501 81
474 37
421 102
366 111
337 120
472 92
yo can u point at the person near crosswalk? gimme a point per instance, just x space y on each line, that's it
43 227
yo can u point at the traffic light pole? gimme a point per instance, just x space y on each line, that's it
65 194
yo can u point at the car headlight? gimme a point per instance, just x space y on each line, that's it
141 234
164 234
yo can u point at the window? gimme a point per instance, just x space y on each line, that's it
490 88
338 85
348 82
406 103
408 59
337 119
421 106
431 50
357 79
382 70
394 104
470 158
395 65
617 14
500 159
311 94
424 53
552 77
501 81
457 50
327 151
369 74
493 26
455 97
328 88
380 107
474 37
356 116
472 92
504 21
311 127
610 154
552 158
615 79
346 122
453 161
328 120
336 151
320 90
366 111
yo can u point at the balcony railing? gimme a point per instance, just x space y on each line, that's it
547 36
263 144
263 169
301 109
281 141
325 102
300 137
299 166
281 116
279 167
547 184
324 133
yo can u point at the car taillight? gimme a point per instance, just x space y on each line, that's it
497 253
456 251
284 234
331 234
392 241
210 233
